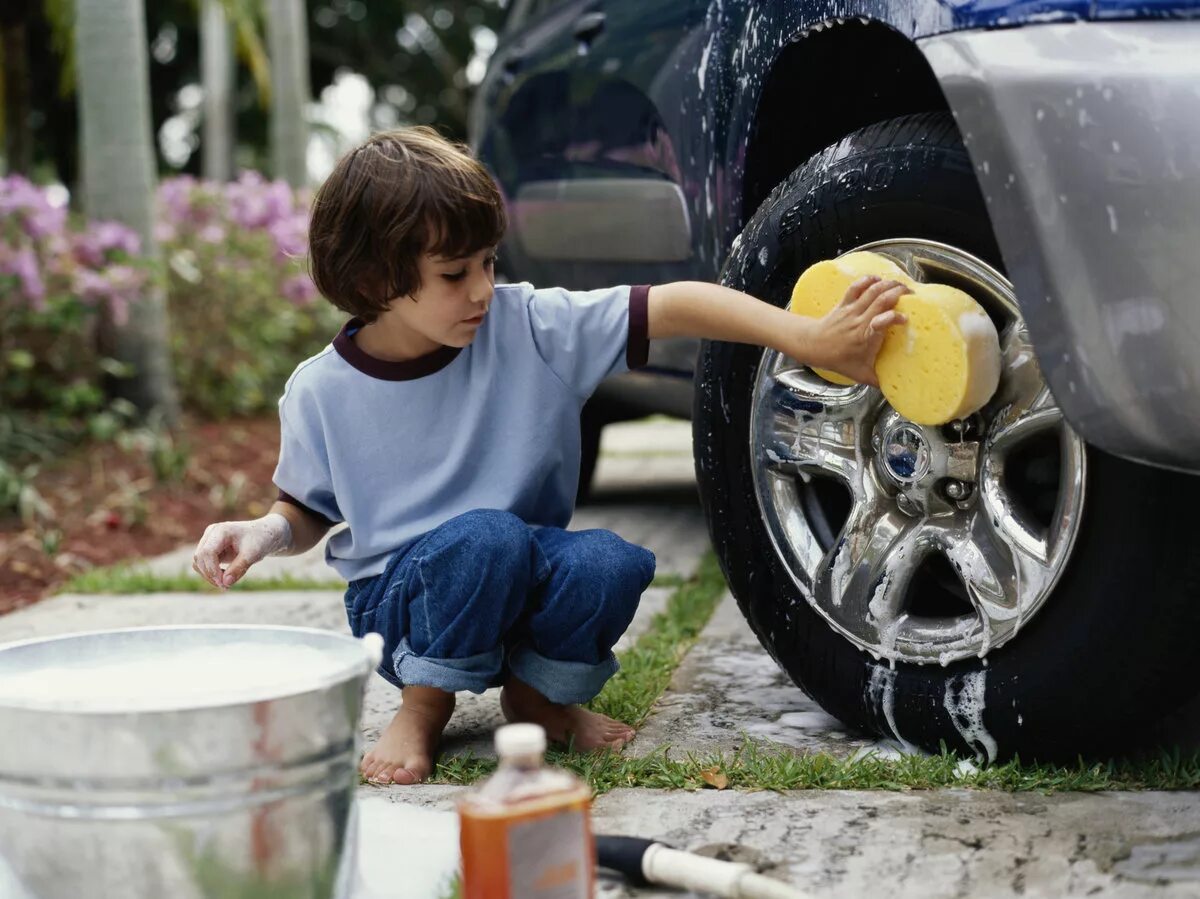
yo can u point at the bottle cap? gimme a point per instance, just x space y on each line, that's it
520 739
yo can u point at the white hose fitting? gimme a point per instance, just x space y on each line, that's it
733 880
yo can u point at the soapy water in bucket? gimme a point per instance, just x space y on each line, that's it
169 677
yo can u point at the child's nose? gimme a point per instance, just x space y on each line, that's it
481 291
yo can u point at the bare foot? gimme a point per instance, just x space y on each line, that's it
404 752
521 702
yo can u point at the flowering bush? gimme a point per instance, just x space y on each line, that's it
243 310
54 277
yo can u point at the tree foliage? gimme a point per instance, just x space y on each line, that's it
413 53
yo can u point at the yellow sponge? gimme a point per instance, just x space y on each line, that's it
942 364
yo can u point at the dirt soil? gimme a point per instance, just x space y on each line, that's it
107 505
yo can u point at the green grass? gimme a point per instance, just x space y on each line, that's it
647 666
452 890
131 578
757 767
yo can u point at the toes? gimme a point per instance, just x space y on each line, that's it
388 773
407 776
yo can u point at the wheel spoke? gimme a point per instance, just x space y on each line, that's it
1002 512
804 429
1022 387
867 572
998 573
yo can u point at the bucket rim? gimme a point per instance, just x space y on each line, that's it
360 667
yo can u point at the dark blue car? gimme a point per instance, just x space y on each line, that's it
1024 580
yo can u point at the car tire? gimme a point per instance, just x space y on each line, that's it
1109 649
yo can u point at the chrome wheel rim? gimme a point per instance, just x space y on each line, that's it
932 511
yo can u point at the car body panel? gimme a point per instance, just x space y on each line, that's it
1091 173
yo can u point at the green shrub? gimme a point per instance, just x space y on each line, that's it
243 311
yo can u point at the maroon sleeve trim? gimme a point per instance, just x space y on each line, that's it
637 351
288 498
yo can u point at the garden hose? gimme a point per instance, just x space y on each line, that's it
645 862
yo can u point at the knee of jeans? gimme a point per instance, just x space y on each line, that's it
607 557
495 531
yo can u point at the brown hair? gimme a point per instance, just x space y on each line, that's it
401 194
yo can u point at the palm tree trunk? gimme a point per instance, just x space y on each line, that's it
14 49
119 177
216 67
287 43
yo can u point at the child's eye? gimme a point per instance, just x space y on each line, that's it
455 276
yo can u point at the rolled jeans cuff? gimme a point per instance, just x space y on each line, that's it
472 673
566 683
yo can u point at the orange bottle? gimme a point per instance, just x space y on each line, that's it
526 831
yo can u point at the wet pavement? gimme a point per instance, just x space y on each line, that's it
943 843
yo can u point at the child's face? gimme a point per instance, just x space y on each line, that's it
453 298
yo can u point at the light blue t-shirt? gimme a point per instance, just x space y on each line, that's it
395 449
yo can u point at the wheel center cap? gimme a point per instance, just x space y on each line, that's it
905 454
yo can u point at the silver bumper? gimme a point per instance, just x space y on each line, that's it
1086 141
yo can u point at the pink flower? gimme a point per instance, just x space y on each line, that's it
290 235
90 286
213 233
30 204
256 203
299 290
24 264
175 198
93 245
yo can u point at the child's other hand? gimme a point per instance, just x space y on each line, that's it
240 544
848 337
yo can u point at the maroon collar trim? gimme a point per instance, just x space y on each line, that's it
408 370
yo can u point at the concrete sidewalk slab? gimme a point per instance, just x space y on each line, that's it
728 685
941 844
945 843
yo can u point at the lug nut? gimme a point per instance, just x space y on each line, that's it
957 490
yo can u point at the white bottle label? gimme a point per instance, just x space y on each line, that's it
547 857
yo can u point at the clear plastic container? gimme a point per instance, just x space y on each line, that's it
526 831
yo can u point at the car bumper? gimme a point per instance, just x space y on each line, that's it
1086 141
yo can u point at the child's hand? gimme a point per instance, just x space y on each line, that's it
241 544
848 337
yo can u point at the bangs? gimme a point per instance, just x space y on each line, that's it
460 224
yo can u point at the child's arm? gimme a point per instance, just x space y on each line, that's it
846 340
284 531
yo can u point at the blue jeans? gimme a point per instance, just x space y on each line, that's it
485 595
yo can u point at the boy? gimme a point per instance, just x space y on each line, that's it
442 426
